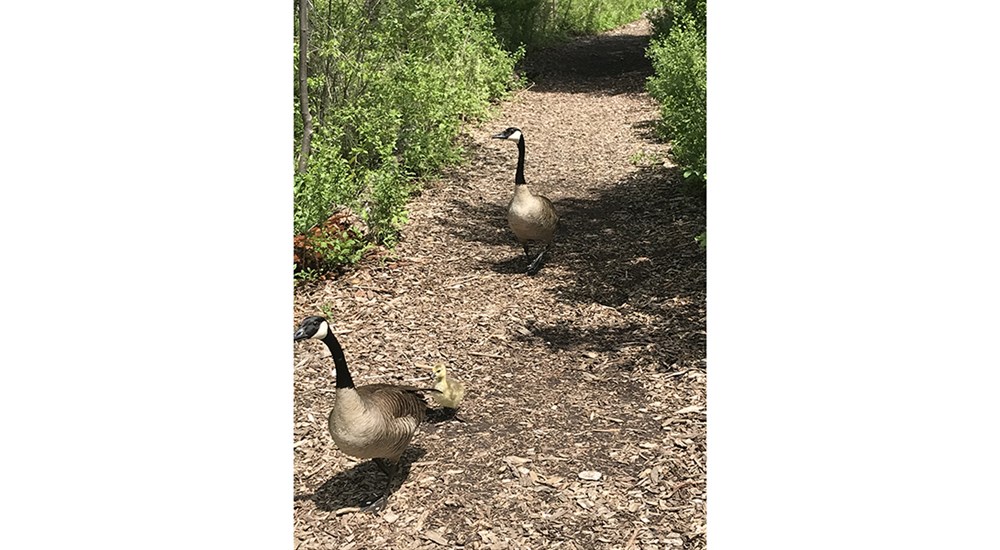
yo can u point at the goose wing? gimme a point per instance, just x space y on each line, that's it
549 216
396 401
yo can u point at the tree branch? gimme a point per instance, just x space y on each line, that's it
304 85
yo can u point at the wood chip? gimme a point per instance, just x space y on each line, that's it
420 521
631 540
435 537
589 475
552 481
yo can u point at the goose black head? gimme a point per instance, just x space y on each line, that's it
510 133
312 327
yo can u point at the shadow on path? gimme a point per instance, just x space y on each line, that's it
633 250
609 64
360 485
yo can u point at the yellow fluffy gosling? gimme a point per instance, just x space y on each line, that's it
452 390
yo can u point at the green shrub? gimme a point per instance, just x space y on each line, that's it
671 11
389 85
679 85
328 246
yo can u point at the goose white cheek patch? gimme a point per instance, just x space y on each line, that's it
323 330
515 136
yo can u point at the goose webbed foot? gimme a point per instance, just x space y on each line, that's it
377 506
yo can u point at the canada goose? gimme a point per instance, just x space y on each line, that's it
373 421
531 217
450 391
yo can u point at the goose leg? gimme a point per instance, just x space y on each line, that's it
390 469
537 264
527 251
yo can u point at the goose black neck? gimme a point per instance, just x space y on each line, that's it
519 176
343 375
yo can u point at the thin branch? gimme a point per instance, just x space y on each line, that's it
304 85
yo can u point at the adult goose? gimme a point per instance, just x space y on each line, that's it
375 421
531 217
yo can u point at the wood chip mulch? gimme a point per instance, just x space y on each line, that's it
584 421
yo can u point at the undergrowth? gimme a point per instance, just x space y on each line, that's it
534 23
679 83
389 85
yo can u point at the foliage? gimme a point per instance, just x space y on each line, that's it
328 246
327 310
389 85
643 158
539 22
671 11
679 85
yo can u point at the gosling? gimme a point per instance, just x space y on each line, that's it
450 390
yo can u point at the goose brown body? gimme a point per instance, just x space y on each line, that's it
376 420
531 218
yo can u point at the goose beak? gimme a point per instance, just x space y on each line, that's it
300 335
501 135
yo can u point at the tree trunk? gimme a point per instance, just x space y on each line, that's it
304 85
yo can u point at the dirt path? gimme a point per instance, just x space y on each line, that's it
596 363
